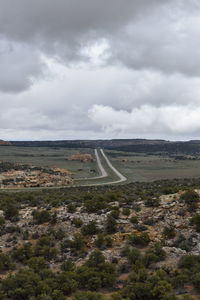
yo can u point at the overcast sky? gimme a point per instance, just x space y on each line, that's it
89 69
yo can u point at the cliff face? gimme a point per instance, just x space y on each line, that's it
4 142
82 157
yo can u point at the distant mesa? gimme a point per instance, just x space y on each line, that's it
82 157
4 142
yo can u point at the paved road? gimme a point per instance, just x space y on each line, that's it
101 168
104 174
122 178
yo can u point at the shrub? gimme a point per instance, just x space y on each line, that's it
77 222
94 205
152 202
139 239
133 255
115 213
67 266
111 225
195 220
2 221
90 229
11 212
41 217
71 208
190 197
126 211
196 281
169 232
87 296
134 220
5 263
189 261
140 227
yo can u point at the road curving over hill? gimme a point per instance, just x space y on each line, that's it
122 178
103 172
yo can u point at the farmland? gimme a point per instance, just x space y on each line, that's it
50 157
134 166
144 167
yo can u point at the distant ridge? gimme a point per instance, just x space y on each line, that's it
128 145
2 142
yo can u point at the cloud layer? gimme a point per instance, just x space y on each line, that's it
99 69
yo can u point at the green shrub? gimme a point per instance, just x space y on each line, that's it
190 197
71 208
126 211
195 220
41 216
111 225
152 202
169 232
90 229
134 220
77 222
141 239
87 296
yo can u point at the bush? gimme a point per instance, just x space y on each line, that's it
90 229
190 197
5 263
150 221
94 205
134 220
67 266
77 222
71 208
11 212
189 262
196 281
2 221
87 296
115 213
126 211
169 232
152 202
195 220
140 239
133 255
162 289
103 242
111 225
140 227
42 216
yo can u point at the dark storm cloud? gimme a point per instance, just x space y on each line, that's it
140 34
62 28
73 68
60 19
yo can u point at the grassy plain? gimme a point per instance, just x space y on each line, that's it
135 166
142 167
50 157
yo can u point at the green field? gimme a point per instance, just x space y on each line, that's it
136 167
141 167
50 157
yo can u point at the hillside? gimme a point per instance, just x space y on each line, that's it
137 241
129 145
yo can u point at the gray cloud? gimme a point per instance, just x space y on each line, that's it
20 66
81 69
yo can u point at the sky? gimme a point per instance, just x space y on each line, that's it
90 69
